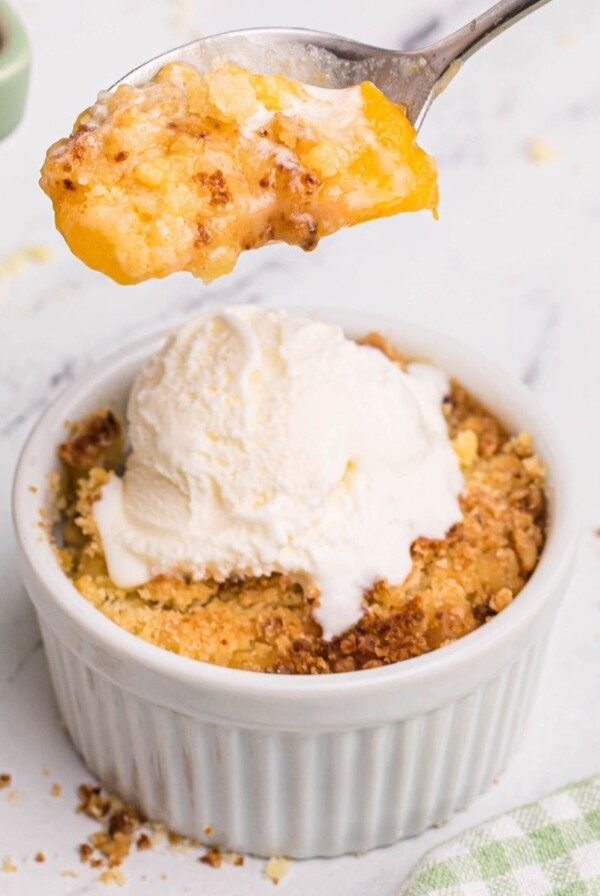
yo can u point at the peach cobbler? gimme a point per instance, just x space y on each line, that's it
189 170
218 576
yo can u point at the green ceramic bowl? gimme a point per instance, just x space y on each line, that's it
14 69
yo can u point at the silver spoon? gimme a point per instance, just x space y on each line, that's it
414 78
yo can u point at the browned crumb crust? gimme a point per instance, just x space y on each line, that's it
266 624
95 441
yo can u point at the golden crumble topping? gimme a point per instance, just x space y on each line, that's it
189 170
265 624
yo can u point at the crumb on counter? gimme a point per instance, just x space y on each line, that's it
85 851
179 845
8 866
124 828
569 39
40 253
39 857
56 790
158 832
276 868
113 876
541 151
182 20
212 857
19 258
5 780
120 826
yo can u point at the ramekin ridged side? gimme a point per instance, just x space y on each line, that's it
296 793
295 765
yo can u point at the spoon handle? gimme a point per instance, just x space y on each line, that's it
450 52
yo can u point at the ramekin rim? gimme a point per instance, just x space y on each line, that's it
554 561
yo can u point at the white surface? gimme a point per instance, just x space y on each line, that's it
512 268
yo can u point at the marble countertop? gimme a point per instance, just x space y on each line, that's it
512 268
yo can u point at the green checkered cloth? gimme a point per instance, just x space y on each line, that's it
549 848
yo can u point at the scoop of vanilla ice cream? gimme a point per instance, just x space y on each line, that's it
265 443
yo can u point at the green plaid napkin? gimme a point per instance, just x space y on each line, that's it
549 848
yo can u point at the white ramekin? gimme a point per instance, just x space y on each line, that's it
294 765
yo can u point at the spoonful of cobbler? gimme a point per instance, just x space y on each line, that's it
249 137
